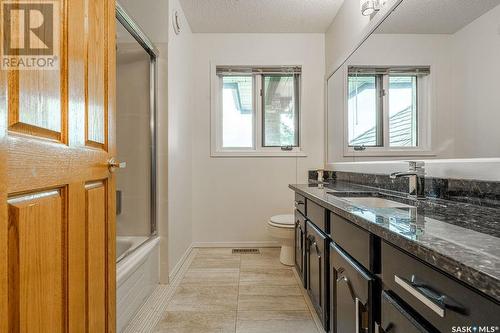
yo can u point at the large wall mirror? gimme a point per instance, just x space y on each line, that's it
424 85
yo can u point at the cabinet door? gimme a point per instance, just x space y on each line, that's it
316 270
397 318
300 235
352 297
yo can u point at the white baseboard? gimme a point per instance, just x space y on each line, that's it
236 244
179 264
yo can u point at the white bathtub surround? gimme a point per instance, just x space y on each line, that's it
136 276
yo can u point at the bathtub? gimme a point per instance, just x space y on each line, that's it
137 275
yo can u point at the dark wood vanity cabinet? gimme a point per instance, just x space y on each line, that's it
300 245
317 271
351 296
358 282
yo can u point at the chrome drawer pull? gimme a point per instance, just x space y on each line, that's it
413 290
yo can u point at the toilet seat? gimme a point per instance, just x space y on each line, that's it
282 221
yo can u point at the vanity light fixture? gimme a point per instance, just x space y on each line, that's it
368 7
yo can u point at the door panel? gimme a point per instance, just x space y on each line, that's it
35 113
44 119
96 74
57 233
36 260
96 249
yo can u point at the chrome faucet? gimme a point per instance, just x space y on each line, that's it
416 176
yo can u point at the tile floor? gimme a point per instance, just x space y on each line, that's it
222 292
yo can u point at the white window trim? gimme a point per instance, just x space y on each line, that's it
216 149
424 148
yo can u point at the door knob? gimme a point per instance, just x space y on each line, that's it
113 164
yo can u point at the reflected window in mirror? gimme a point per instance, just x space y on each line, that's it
384 106
403 115
365 110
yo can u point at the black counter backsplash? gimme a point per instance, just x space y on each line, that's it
482 193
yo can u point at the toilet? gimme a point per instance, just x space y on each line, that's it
282 228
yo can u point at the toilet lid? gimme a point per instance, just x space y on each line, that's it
285 219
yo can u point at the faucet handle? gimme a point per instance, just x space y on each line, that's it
416 165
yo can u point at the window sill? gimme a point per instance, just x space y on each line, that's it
388 153
258 154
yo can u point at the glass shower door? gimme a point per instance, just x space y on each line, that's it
135 136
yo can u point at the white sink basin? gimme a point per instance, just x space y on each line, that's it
375 202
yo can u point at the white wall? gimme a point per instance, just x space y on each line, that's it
180 134
233 198
476 98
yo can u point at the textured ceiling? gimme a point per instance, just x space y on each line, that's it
241 16
434 16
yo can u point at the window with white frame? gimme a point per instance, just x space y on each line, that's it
256 111
387 110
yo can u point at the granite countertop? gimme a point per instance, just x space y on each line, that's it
460 239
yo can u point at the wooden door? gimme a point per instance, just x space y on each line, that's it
57 234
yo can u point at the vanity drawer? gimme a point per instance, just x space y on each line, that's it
396 317
316 214
439 299
355 241
300 203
